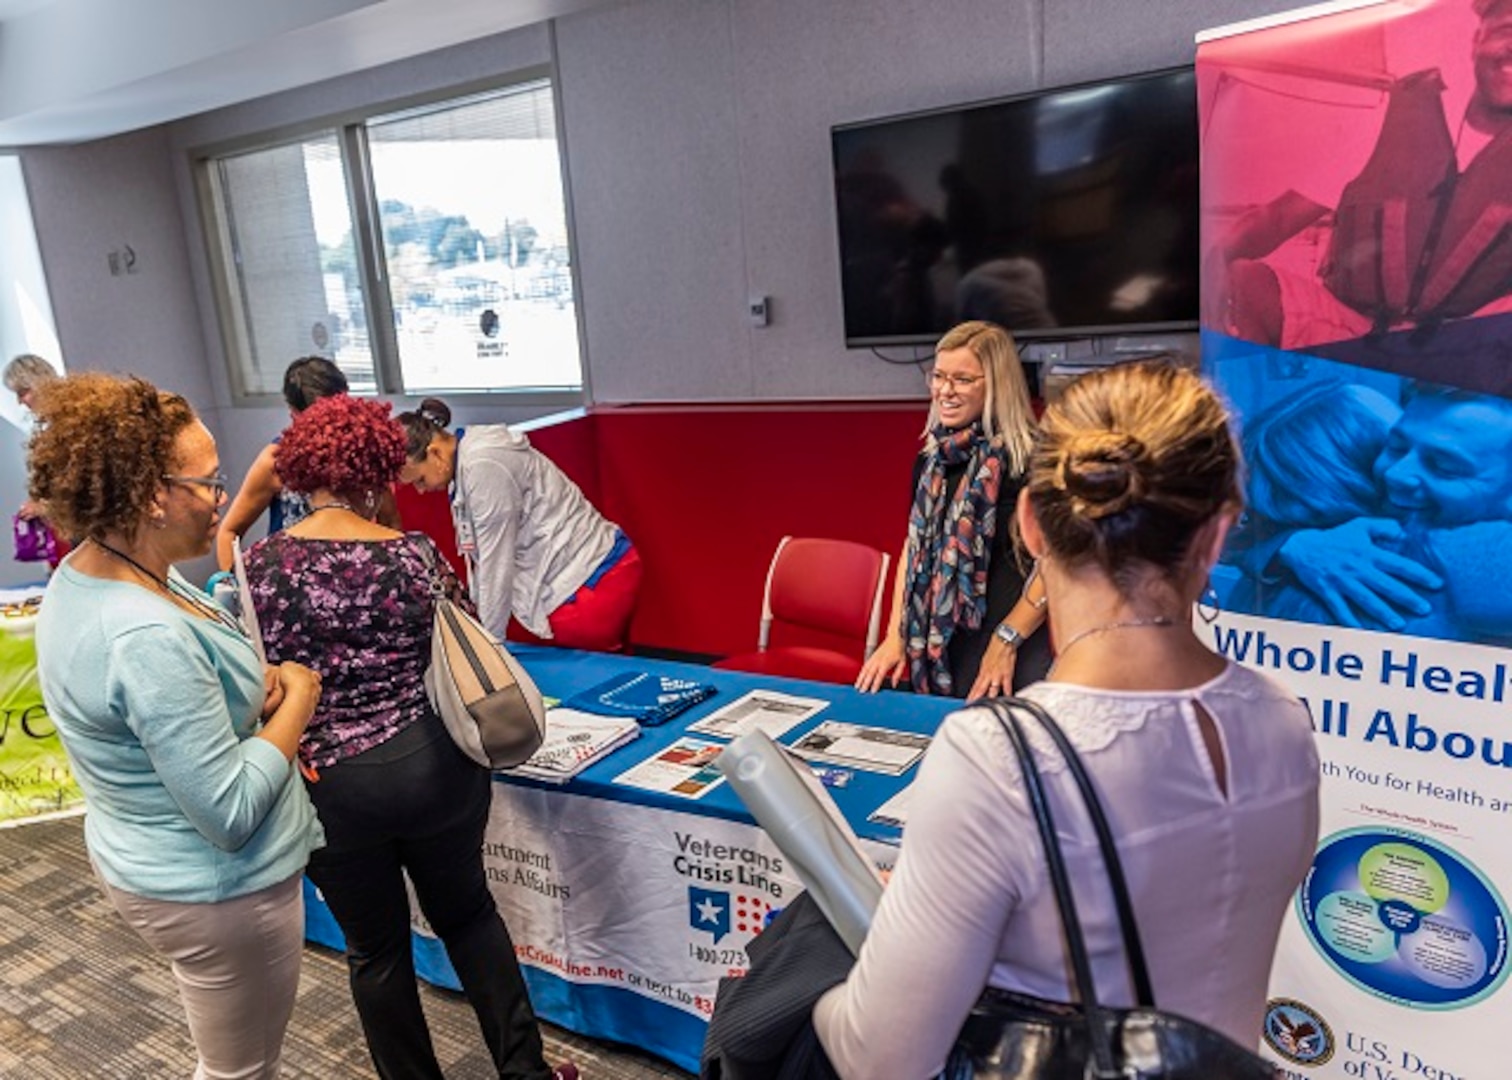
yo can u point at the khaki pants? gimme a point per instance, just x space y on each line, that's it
236 963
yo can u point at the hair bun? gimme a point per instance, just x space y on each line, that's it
1103 473
436 411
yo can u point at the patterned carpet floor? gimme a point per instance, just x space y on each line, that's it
81 996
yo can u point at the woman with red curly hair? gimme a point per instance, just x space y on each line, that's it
352 599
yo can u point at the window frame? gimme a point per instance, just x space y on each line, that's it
350 130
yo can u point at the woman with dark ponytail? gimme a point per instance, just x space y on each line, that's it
306 381
536 548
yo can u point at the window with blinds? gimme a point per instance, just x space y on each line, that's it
424 251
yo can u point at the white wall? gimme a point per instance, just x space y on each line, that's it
77 70
26 326
697 138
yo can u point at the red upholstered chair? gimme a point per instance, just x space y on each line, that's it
832 586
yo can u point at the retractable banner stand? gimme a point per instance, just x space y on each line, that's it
1357 313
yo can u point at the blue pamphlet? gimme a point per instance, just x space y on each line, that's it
649 699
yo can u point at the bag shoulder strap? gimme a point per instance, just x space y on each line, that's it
1099 1040
1133 945
421 546
1098 1033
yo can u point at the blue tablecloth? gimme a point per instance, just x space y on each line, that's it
598 881
560 672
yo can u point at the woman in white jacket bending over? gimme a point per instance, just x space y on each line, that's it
536 548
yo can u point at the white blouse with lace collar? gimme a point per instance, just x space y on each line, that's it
1211 873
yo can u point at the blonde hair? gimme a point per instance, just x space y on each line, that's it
1007 416
27 372
1128 465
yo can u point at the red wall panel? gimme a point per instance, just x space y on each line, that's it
707 491
431 514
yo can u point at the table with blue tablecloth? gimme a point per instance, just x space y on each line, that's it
627 906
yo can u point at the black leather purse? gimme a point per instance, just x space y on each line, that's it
1012 1036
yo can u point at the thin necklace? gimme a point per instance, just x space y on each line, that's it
1123 624
334 505
202 607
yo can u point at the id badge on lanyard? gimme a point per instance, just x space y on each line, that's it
467 540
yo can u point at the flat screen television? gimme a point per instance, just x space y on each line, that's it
1059 213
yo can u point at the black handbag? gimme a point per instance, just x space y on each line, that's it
1011 1036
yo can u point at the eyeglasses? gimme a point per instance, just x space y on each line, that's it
940 379
217 483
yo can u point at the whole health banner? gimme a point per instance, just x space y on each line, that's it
1357 313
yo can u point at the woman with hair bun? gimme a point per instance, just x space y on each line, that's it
1207 770
536 548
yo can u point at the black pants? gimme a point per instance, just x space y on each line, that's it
417 804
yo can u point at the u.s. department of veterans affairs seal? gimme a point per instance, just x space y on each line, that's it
1297 1032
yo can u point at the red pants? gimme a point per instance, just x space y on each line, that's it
596 617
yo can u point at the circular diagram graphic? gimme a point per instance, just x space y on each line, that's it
1405 918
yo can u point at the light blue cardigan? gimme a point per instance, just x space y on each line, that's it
157 710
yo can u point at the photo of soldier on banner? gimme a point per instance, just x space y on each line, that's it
1362 211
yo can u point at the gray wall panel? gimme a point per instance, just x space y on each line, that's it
91 199
698 140
651 140
803 68
1091 39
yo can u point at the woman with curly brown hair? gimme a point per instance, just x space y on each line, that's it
352 599
180 740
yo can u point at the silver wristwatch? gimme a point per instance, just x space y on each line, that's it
1008 635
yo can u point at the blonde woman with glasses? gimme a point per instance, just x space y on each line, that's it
968 624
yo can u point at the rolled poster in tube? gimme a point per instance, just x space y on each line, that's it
789 803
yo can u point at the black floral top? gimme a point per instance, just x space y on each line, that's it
359 612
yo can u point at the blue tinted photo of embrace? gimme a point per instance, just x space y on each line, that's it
1374 501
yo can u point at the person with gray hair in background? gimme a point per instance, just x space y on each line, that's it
36 539
22 376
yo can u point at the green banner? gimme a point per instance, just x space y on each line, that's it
34 774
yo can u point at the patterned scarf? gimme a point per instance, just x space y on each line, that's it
949 546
